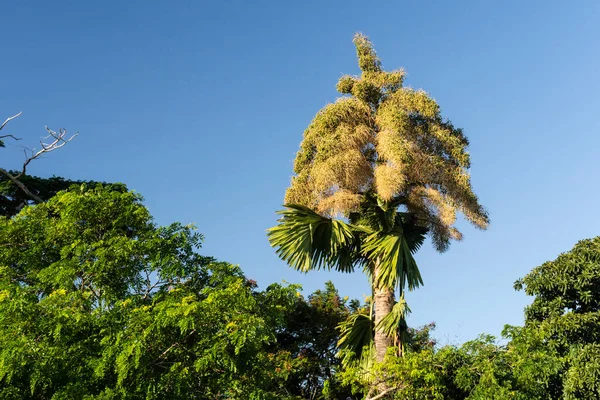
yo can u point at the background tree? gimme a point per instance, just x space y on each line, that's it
554 356
97 302
307 330
13 198
519 367
383 159
565 317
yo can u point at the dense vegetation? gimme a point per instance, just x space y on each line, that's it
99 302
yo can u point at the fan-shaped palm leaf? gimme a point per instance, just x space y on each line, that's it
413 232
394 249
307 240
394 324
356 334
356 340
396 263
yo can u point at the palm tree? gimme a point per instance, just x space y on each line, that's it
380 241
376 172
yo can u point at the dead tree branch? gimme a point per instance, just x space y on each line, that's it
59 139
10 119
56 141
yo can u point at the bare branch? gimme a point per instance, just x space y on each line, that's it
58 140
10 136
10 119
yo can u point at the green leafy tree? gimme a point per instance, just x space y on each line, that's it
419 374
556 355
376 171
565 317
97 302
306 329
13 198
481 369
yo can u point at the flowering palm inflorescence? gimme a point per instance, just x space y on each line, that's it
391 140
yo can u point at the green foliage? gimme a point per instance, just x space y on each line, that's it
306 330
356 339
398 267
480 369
97 302
565 316
567 296
582 380
307 240
556 355
357 332
415 375
394 324
13 199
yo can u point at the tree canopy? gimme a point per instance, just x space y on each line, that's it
13 198
97 302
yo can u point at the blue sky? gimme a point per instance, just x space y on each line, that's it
201 107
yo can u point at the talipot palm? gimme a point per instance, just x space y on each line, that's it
376 172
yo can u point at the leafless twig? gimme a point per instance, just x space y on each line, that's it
10 136
10 119
59 140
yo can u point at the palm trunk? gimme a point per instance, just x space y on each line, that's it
384 302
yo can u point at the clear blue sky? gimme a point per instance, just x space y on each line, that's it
201 107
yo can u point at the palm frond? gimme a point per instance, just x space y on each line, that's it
397 266
413 232
307 241
356 340
395 322
394 248
394 325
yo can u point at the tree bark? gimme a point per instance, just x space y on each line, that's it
384 302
